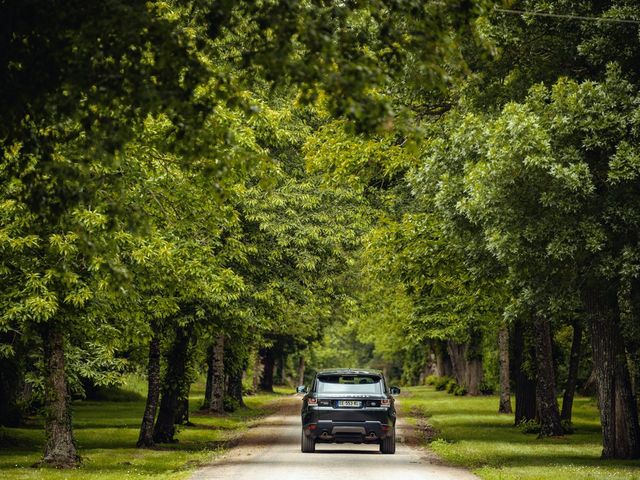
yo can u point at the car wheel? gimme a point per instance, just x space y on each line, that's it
307 444
388 444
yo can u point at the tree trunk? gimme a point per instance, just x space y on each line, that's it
505 387
268 360
572 377
209 382
474 368
633 341
283 369
301 368
548 412
526 408
456 354
172 388
235 362
217 380
257 371
444 368
467 365
182 412
474 376
634 372
618 408
60 449
145 439
590 387
235 386
427 368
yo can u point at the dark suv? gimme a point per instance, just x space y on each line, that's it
353 406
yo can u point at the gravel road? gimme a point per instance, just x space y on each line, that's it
271 451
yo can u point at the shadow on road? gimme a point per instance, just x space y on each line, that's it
349 452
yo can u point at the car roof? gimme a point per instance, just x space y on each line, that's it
350 371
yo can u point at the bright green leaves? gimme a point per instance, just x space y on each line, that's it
624 165
548 183
359 160
64 245
300 235
90 220
36 302
537 164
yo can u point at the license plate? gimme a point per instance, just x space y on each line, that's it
349 403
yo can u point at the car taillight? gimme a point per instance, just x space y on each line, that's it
312 401
385 403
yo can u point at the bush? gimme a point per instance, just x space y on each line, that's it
532 426
452 385
460 391
486 388
431 380
529 426
446 383
440 383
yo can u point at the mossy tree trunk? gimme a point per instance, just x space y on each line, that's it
526 408
216 405
235 363
234 386
633 341
268 361
503 356
474 365
618 408
466 359
444 368
182 412
172 387
572 376
209 382
145 439
257 372
60 449
548 412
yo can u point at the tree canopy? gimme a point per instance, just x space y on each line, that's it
251 190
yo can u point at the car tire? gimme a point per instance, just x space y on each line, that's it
307 444
388 443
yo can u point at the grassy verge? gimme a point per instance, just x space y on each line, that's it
471 434
106 433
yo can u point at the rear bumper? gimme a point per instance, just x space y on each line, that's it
328 431
329 425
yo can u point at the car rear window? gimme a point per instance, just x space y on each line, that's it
349 384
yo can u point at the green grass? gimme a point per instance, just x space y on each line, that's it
106 433
473 435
